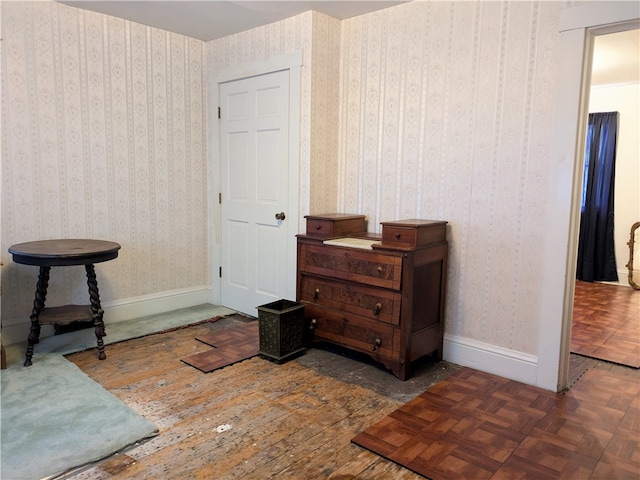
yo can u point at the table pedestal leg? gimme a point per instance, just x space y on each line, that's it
38 305
96 310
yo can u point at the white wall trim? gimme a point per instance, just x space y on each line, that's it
251 69
597 14
507 363
295 100
560 246
623 278
614 85
122 310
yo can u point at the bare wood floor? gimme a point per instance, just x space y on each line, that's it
286 421
294 420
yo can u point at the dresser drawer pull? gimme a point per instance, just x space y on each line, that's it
316 292
376 344
313 324
397 235
380 269
377 309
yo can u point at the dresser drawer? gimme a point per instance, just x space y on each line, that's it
335 225
362 266
413 233
368 302
353 331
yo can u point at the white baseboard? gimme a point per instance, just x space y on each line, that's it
122 310
489 358
137 307
623 279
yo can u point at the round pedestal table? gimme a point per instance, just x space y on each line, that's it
63 253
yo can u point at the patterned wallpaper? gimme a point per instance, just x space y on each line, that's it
103 137
447 113
440 110
325 104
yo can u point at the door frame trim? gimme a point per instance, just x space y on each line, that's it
292 62
577 26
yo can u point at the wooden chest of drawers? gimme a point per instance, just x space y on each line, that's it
386 300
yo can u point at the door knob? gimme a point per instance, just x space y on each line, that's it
280 216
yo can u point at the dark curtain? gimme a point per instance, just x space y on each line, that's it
596 250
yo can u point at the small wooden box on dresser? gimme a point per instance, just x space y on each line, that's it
383 295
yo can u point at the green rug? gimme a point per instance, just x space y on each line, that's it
54 418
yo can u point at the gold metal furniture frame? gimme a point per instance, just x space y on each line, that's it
631 243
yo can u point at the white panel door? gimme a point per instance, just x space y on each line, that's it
254 144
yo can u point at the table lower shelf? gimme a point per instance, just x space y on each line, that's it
65 315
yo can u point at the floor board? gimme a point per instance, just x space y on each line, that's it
287 421
296 420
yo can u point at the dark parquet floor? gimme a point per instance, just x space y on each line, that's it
228 347
475 425
606 323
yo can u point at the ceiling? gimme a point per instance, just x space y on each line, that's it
616 56
210 19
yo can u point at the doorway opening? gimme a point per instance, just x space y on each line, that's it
579 27
605 320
